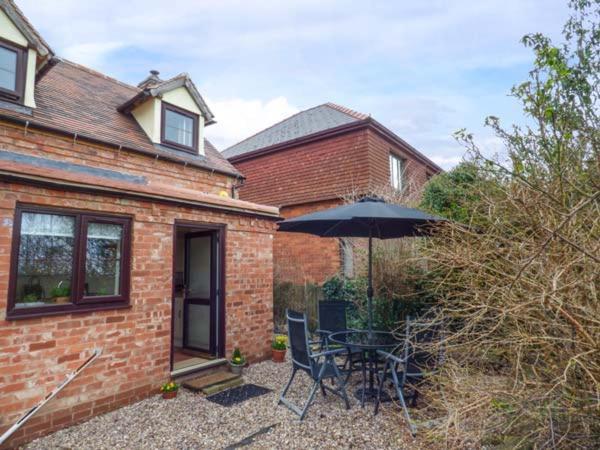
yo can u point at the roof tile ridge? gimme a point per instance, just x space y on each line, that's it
348 111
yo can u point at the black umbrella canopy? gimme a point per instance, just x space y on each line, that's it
370 218
367 217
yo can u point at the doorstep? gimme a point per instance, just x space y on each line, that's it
198 367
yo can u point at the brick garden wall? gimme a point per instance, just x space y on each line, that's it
36 354
302 258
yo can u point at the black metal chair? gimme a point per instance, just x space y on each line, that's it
332 319
319 366
422 355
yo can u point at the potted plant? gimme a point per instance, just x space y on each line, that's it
279 347
61 294
237 361
32 299
169 390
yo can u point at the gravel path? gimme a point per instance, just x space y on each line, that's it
192 422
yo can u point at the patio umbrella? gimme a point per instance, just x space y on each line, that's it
370 217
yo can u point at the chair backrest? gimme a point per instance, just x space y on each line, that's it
298 339
424 347
332 315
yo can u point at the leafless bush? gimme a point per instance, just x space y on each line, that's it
519 284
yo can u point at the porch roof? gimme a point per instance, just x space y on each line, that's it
75 177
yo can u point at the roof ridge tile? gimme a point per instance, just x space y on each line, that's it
346 110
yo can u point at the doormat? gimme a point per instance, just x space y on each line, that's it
238 394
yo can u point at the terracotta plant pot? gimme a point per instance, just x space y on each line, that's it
278 355
62 300
168 395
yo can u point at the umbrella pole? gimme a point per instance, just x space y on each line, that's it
370 286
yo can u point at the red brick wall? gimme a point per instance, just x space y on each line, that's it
300 178
36 354
311 172
301 258
46 145
416 173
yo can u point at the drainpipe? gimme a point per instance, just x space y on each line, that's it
235 186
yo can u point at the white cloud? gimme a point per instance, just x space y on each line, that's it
424 69
239 118
446 162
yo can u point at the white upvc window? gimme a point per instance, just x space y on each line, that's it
396 172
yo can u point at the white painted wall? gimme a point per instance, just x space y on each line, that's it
10 32
148 116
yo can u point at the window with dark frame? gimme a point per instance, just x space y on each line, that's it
12 71
179 128
396 172
66 261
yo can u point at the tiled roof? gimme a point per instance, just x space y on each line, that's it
75 99
304 123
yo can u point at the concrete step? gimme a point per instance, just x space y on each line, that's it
205 381
215 388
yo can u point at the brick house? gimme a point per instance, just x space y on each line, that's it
307 163
119 229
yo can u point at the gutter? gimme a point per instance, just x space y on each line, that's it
28 123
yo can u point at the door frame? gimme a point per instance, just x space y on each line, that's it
220 230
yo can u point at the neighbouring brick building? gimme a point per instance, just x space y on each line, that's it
308 162
119 229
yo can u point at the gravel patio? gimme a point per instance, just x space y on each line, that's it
191 421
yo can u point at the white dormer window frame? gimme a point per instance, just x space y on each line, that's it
17 94
169 108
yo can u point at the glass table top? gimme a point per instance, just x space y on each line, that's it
362 339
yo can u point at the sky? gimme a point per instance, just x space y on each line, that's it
424 68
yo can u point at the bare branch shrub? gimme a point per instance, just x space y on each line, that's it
519 282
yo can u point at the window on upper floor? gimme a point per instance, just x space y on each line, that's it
12 72
64 261
396 172
179 128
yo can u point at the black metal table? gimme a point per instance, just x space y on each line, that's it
370 343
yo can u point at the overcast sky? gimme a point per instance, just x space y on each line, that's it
422 68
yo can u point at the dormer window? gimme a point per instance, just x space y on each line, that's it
12 72
179 128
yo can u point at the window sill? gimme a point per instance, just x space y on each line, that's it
181 148
22 313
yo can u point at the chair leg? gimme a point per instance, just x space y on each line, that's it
341 385
380 387
413 400
364 381
287 386
313 391
413 429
